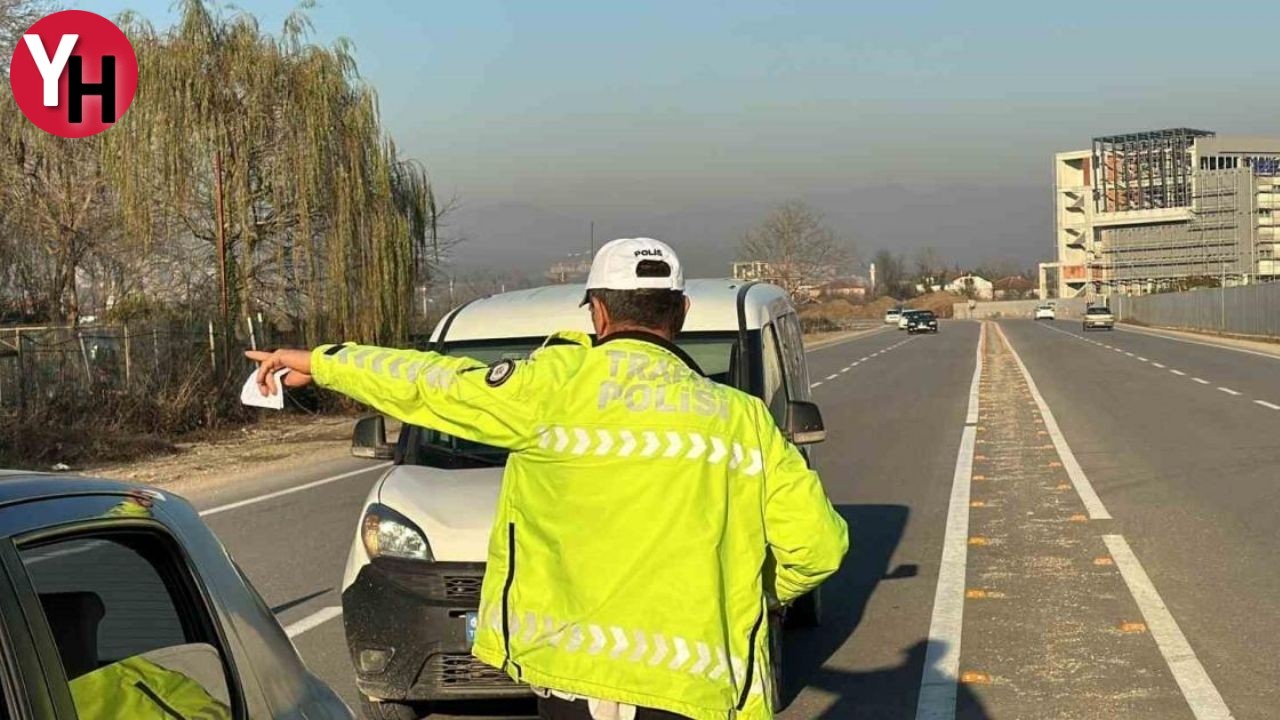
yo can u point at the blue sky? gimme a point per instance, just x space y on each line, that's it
621 111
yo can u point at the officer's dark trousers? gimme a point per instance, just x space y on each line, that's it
554 708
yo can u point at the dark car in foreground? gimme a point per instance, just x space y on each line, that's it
920 321
118 601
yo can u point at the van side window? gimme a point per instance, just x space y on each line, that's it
775 390
134 636
795 367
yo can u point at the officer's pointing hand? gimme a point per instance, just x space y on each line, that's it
298 362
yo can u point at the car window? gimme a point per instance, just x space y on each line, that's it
134 636
775 392
794 367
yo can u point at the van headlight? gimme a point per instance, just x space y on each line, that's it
387 533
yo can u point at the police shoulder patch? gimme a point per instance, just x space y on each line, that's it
500 372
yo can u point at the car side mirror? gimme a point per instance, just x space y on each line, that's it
804 423
369 439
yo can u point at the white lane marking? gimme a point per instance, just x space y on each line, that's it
1202 381
1159 365
1228 390
1178 372
1117 349
1156 334
937 699
846 369
313 621
1130 354
845 341
1141 359
815 384
1092 503
291 490
1197 688
1266 404
832 376
864 359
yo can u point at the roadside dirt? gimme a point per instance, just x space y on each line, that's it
277 441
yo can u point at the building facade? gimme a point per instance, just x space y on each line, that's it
1158 210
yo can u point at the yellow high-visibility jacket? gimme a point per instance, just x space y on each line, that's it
645 516
139 689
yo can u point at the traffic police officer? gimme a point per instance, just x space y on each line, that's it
648 516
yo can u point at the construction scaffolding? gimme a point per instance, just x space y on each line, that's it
1219 241
1145 170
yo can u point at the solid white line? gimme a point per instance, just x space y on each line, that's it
1266 404
1162 336
289 491
1202 381
937 699
1092 503
1178 372
1228 390
310 622
1197 688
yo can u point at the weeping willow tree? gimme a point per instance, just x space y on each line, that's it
269 150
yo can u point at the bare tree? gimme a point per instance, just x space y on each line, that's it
891 274
797 246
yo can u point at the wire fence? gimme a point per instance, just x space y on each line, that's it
40 365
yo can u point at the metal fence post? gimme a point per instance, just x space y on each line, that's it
128 369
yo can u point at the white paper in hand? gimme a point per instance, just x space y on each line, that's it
250 394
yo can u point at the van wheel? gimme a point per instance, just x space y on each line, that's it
390 710
806 612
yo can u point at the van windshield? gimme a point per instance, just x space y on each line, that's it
713 352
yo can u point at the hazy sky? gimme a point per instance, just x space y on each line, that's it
908 123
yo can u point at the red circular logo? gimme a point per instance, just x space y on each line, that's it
74 73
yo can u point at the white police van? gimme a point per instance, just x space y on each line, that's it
412 582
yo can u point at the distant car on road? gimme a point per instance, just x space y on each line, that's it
892 315
904 317
411 588
922 321
1046 311
1099 316
118 601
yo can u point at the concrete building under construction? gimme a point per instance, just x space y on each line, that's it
1157 210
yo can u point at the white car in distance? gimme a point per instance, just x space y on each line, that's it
1046 311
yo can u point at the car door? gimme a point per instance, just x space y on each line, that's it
118 617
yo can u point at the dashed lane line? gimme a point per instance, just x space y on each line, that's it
313 621
291 490
1200 380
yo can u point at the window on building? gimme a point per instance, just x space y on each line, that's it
130 625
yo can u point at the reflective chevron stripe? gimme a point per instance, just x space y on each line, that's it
674 653
667 444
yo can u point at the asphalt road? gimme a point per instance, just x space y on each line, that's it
1155 598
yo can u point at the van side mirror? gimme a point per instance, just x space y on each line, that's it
369 439
804 423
